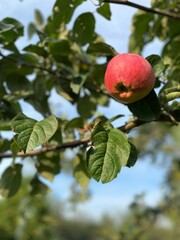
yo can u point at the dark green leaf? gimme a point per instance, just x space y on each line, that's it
10 181
15 149
14 29
104 10
86 106
4 144
83 29
64 9
133 156
8 110
77 83
101 49
60 48
38 187
109 152
146 109
157 64
36 49
75 123
63 88
43 37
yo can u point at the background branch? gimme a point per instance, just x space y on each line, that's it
143 8
53 73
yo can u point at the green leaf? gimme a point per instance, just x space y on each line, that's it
63 88
171 96
4 144
15 149
109 152
36 49
80 171
141 31
43 37
38 187
114 118
10 181
39 20
48 165
60 48
64 9
104 10
77 84
30 133
31 30
133 156
101 49
5 125
11 29
156 63
146 109
83 29
75 123
83 110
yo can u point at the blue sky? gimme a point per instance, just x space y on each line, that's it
113 197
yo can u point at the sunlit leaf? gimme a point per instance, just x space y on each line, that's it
5 27
30 133
31 30
39 20
80 171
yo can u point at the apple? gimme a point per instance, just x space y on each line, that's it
129 77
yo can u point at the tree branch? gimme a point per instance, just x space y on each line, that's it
126 128
72 144
143 8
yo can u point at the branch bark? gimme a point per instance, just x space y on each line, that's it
143 8
127 127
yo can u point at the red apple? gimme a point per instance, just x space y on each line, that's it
129 77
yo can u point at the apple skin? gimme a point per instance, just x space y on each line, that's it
129 77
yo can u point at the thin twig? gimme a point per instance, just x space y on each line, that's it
143 8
